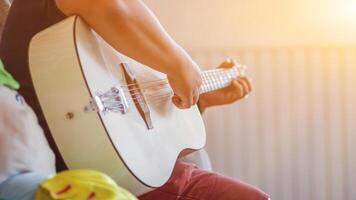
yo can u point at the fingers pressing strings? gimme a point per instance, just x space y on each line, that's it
245 85
248 82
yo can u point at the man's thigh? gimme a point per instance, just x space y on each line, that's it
190 183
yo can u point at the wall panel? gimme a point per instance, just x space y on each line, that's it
294 136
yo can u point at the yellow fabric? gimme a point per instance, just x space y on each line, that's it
81 185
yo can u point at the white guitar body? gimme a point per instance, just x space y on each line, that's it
69 65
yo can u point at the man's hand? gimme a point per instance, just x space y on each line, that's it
185 83
239 88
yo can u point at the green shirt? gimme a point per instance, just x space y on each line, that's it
6 79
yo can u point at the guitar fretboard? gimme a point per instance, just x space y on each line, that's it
219 78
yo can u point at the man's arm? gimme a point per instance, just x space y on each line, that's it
131 28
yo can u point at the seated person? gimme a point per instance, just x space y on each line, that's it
157 50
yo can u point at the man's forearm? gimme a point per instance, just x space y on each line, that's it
131 28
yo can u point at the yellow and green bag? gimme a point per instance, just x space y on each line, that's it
6 78
81 185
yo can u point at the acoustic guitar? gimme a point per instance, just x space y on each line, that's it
111 113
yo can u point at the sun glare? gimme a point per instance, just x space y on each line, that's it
346 10
353 9
338 14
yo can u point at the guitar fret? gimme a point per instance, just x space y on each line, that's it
217 78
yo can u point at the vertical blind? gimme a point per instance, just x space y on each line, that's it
294 136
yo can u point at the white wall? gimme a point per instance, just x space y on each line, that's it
229 23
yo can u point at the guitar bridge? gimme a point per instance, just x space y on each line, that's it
113 101
137 96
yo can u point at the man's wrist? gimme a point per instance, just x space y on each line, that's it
201 105
178 62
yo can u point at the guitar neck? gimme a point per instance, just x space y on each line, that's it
219 78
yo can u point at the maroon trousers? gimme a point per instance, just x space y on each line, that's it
191 183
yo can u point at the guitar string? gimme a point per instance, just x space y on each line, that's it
164 97
140 96
162 85
212 82
165 79
151 101
211 78
202 73
143 90
151 84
